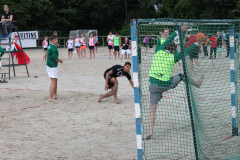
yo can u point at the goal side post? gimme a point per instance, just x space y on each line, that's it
133 23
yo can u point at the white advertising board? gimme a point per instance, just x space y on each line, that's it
28 38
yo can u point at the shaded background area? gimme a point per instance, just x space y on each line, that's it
105 15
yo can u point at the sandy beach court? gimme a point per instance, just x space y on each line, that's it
74 127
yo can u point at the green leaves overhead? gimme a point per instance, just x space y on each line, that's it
105 15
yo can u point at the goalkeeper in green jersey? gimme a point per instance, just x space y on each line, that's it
165 58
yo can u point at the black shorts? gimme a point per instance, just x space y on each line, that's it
109 46
45 49
96 44
150 45
70 49
194 55
110 85
77 46
144 44
116 48
91 47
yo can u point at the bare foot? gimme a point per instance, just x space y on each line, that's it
99 98
55 97
117 101
52 100
149 136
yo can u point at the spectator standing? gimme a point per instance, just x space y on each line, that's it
96 42
110 42
77 45
192 40
213 41
70 45
125 48
145 41
219 44
205 46
91 43
45 47
83 45
150 40
116 44
224 39
227 43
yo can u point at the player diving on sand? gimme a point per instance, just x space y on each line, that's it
163 62
111 75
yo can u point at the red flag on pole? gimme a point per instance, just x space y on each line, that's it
20 55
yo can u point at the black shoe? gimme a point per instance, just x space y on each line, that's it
210 58
226 56
215 58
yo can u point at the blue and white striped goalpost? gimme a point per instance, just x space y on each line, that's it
136 90
233 87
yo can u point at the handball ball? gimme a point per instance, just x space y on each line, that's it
200 36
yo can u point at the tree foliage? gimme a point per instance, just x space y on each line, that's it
105 15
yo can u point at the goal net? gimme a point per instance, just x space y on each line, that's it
188 75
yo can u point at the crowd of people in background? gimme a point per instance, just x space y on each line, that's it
218 42
80 44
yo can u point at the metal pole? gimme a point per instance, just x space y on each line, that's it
22 52
10 44
233 82
136 90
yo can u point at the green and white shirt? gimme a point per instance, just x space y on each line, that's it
52 56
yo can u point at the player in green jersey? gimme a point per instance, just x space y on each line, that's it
51 65
165 58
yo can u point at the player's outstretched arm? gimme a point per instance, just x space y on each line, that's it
131 82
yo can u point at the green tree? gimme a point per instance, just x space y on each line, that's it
21 11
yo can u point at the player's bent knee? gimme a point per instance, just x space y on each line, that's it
115 82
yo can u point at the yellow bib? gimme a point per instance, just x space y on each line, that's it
162 66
